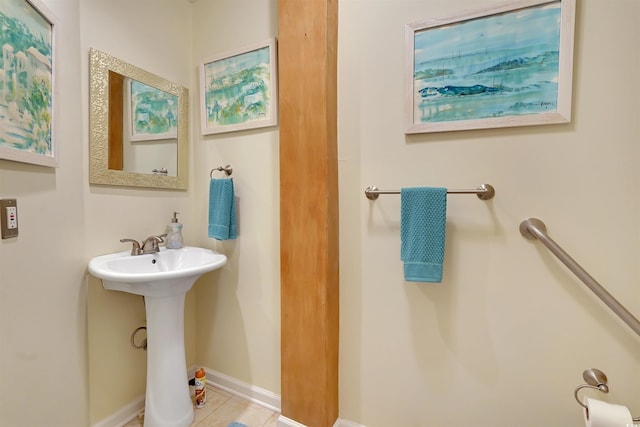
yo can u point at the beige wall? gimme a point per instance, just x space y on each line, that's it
509 330
238 310
43 361
232 315
504 339
130 32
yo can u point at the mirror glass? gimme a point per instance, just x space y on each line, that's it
138 126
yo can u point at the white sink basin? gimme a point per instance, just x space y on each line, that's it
163 279
167 272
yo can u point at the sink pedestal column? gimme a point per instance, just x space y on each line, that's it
168 400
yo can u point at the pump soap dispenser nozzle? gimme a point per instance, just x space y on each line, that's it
174 233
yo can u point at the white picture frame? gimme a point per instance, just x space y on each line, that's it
27 84
238 89
480 69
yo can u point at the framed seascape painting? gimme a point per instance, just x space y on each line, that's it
26 83
504 66
238 89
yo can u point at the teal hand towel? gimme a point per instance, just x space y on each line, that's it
222 209
423 217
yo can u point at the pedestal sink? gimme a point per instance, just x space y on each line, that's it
163 278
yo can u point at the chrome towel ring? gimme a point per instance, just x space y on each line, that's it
228 170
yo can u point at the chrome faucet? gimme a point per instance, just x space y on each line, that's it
150 245
135 250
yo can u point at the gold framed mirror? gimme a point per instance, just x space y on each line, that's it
138 126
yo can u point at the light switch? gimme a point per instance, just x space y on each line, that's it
9 218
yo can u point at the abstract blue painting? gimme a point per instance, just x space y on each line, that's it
238 89
154 113
488 70
26 83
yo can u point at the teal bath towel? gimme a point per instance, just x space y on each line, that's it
423 213
222 209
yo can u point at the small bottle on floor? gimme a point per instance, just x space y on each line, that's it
201 392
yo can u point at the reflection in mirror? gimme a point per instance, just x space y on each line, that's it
143 127
138 126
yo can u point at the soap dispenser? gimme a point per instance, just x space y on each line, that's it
174 233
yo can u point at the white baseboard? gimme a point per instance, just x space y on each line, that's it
227 383
123 415
260 396
286 422
346 423
247 391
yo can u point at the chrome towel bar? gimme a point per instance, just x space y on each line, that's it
533 228
484 192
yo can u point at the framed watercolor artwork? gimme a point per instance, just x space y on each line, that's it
27 83
504 66
154 112
238 89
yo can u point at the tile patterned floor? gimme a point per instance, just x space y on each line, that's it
223 408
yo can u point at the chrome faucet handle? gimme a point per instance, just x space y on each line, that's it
135 249
151 244
159 238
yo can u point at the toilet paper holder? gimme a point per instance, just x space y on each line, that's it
595 379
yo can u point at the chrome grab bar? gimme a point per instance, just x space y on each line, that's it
533 228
